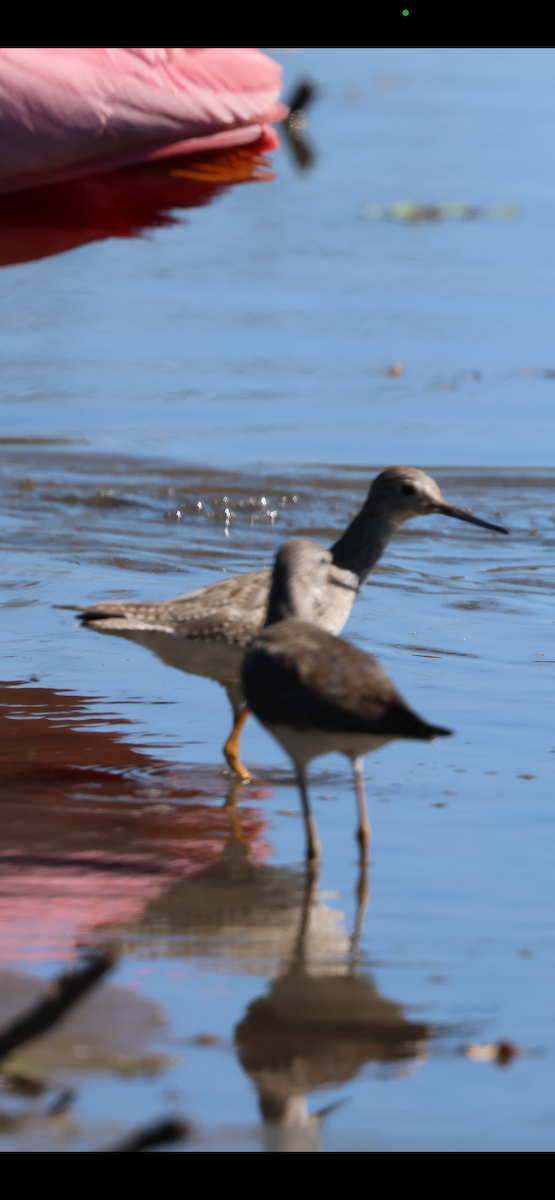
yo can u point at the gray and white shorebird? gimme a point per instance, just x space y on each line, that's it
206 632
316 693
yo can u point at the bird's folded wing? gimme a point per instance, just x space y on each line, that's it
310 680
229 610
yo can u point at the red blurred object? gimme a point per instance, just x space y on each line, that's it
51 218
105 142
68 112
93 830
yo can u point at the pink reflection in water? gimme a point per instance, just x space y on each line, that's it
76 857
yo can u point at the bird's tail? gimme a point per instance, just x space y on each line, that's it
407 724
95 613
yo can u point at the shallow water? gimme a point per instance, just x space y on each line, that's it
240 362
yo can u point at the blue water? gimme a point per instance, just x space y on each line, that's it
256 330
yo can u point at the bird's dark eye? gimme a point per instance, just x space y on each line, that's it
408 489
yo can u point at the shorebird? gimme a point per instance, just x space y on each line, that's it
317 693
206 632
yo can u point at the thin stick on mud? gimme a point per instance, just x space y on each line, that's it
159 1134
61 995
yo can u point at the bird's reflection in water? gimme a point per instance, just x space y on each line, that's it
86 854
322 1019
319 1024
238 910
218 660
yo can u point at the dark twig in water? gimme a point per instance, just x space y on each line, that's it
162 1133
296 123
22 1085
304 94
62 1103
61 995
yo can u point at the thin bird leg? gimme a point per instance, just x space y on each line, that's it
299 952
362 895
312 843
235 823
237 850
364 832
232 797
231 748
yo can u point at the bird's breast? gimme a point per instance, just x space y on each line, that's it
335 601
306 744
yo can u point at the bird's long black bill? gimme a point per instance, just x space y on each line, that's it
449 510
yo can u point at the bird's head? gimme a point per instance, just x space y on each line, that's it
404 492
301 570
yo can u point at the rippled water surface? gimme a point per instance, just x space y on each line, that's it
172 409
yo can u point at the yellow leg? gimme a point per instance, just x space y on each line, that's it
236 855
230 802
231 748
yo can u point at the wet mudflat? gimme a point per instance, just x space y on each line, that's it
115 825
173 410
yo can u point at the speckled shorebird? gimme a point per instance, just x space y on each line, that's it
206 631
317 693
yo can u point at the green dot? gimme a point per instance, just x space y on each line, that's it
405 12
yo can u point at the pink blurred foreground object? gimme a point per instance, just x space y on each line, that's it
66 113
82 845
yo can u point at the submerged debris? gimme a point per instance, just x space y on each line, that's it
160 1133
411 212
296 124
502 1052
